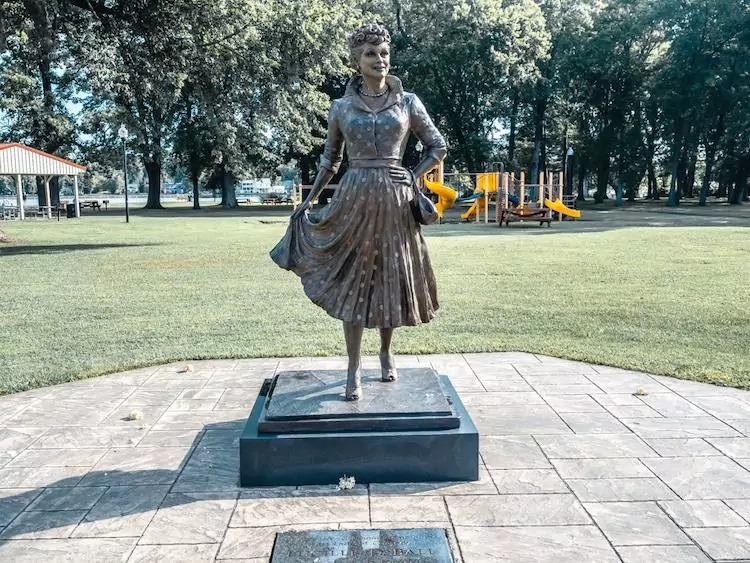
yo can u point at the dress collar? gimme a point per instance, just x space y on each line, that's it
395 93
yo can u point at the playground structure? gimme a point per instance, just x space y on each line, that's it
514 200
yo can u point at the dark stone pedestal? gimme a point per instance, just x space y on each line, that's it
302 431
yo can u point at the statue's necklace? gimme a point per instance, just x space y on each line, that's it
370 94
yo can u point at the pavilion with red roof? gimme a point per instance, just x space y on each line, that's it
18 160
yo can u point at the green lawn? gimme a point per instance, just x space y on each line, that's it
82 298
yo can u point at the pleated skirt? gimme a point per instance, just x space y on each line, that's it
363 258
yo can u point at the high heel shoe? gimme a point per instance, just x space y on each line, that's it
388 371
354 387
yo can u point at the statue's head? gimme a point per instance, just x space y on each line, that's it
369 49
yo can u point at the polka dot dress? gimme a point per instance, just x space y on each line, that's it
363 258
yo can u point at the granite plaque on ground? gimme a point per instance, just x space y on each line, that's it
428 545
302 431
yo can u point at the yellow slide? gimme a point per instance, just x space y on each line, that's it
485 180
561 208
446 196
472 211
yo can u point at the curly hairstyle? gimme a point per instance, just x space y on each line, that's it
372 33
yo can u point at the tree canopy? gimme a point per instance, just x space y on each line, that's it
652 95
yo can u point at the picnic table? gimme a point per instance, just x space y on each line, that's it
93 204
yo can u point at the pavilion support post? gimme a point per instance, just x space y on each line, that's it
19 197
46 193
75 196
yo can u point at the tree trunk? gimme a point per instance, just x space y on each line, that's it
738 193
602 162
602 178
653 185
631 190
228 195
582 182
534 176
40 195
195 174
737 190
305 167
652 118
692 164
710 154
540 109
513 124
674 193
153 169
711 148
682 167
471 162
54 191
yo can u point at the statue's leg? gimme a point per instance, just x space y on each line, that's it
387 361
353 336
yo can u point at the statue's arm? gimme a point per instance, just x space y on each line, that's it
329 162
435 147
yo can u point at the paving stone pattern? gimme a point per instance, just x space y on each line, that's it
578 463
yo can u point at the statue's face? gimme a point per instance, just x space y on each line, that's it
375 60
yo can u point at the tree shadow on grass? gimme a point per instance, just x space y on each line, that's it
60 248
211 212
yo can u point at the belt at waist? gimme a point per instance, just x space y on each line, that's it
374 162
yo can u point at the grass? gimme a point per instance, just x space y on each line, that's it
83 298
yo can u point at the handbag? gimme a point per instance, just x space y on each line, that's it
284 251
424 211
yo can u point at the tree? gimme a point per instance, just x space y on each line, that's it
464 59
37 77
255 95
701 82
138 58
642 89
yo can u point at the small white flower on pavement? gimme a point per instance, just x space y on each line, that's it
346 483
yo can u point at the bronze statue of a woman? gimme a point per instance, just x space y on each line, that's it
363 258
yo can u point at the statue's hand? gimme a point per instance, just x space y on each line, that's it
400 175
301 208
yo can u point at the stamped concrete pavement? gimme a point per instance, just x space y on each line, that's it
578 463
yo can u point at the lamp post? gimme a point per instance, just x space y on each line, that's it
569 169
123 134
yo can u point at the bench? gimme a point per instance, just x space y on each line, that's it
541 214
